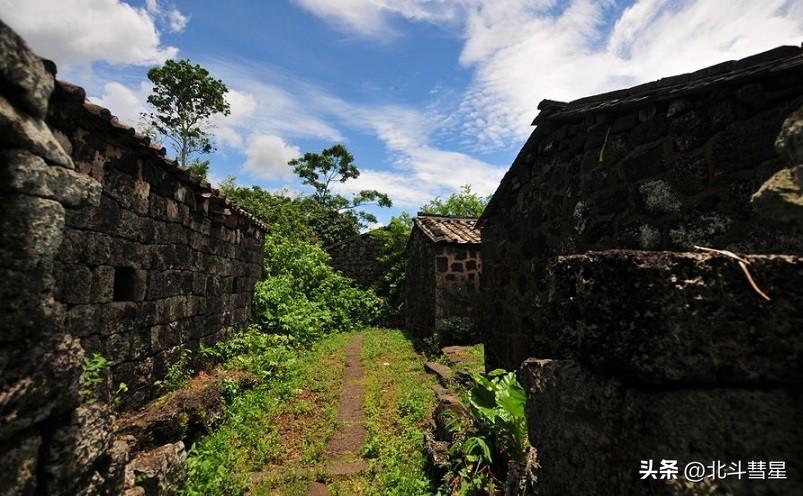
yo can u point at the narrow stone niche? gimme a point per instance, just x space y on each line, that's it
125 284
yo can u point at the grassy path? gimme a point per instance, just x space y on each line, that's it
356 429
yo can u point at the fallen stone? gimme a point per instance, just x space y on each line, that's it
443 372
780 198
790 140
159 471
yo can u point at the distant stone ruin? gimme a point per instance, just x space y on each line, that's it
443 274
107 247
358 258
641 342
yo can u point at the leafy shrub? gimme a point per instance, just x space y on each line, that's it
264 355
495 433
178 374
458 330
92 374
497 402
303 297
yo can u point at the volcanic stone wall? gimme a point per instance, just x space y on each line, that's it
358 258
663 166
420 287
641 346
442 284
106 247
160 265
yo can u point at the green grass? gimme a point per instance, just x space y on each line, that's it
273 430
398 402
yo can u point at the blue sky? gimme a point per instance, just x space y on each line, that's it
427 94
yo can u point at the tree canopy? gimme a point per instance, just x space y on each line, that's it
337 217
184 97
464 203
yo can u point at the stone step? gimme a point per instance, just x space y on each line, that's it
443 372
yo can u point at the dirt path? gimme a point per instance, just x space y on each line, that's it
344 448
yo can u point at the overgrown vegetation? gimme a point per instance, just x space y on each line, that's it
494 432
276 427
178 374
93 374
464 203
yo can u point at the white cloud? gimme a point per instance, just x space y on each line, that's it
171 16
573 53
523 51
76 32
371 17
124 102
267 157
242 107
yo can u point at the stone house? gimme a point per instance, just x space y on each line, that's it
633 343
358 258
443 274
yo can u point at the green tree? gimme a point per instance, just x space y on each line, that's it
200 168
184 97
339 217
393 257
464 203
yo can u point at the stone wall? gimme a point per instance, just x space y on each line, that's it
106 247
663 166
420 292
442 284
457 279
644 346
161 264
358 258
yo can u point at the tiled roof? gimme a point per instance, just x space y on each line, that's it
776 60
444 229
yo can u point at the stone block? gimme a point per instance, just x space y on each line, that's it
30 175
160 471
30 231
29 393
780 199
599 429
20 458
690 318
25 80
21 131
76 447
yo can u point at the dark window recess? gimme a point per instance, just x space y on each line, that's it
124 283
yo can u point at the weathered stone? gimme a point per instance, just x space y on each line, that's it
30 175
160 471
19 130
29 393
76 447
599 430
24 78
696 319
780 199
20 457
790 140
30 226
